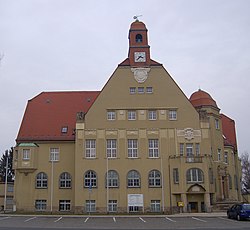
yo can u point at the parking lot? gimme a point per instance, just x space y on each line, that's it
121 222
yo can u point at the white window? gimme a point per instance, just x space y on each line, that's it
149 89
113 179
132 90
153 148
197 149
112 206
226 157
141 90
131 115
155 206
90 150
90 206
217 124
111 115
172 115
40 205
176 175
219 154
152 115
189 149
64 205
133 179
26 154
181 149
64 129
65 180
54 154
194 175
132 148
111 148
154 178
41 180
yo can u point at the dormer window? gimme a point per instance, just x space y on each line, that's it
138 38
64 129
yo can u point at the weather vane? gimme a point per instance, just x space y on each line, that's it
136 17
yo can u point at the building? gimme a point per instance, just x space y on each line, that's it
138 145
6 196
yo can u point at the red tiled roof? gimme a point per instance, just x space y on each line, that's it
48 112
202 98
228 128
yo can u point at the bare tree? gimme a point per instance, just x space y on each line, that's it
245 162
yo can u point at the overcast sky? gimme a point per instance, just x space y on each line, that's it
68 45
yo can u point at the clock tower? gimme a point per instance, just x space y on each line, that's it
139 50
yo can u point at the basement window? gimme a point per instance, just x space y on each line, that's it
64 129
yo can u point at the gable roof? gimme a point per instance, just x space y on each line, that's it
228 128
47 113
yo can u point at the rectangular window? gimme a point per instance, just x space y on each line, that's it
112 206
54 154
132 148
90 148
90 206
111 148
64 129
172 115
111 115
149 89
40 205
219 154
226 157
152 115
131 115
153 148
140 90
26 154
217 124
10 188
197 149
64 205
189 150
132 90
176 175
211 176
181 149
155 206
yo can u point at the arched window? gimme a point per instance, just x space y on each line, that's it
65 180
154 178
194 175
133 179
138 38
113 179
41 180
90 179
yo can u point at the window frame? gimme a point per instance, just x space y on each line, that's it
64 205
90 179
90 206
132 148
40 205
41 180
152 115
26 154
153 148
54 154
155 206
112 206
65 180
111 148
193 173
133 179
176 177
90 148
172 115
154 179
131 115
112 179
111 115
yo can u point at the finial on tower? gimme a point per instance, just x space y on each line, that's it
136 17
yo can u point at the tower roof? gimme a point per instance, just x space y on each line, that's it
137 25
202 98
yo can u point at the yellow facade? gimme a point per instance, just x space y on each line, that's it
160 151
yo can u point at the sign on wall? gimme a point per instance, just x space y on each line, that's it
135 200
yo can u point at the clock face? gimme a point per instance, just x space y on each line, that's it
140 56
